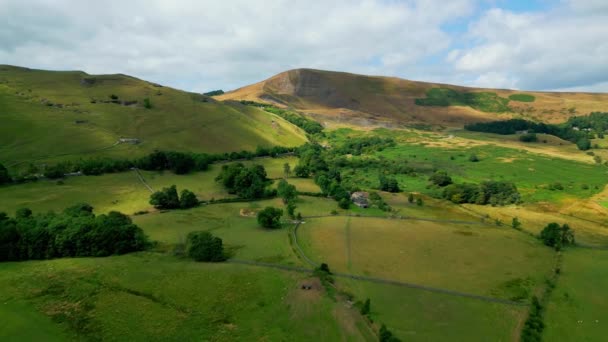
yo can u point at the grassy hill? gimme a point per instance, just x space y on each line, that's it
358 99
48 114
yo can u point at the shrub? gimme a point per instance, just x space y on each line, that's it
441 178
270 217
528 137
473 158
583 144
4 176
147 103
203 246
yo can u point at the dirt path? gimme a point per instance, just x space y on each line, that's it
142 180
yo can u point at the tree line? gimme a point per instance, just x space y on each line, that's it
176 162
75 232
308 125
569 131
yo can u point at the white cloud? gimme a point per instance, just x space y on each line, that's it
202 45
562 48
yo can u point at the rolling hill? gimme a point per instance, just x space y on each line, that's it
50 114
357 99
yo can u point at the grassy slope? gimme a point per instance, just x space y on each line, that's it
177 121
149 297
345 97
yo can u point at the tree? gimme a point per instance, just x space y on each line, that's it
166 198
270 217
4 176
386 335
388 184
583 144
301 171
291 208
419 202
410 198
286 170
187 199
557 236
473 158
246 182
441 178
515 223
147 103
344 203
366 307
203 246
287 191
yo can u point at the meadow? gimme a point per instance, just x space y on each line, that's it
483 260
577 307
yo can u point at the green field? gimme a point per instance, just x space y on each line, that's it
577 307
151 297
483 101
484 260
522 97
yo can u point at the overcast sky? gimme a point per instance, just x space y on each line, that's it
202 45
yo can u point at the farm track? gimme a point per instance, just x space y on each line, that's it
303 255
142 180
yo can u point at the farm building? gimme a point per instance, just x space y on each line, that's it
360 199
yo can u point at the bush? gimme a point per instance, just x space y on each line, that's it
203 246
583 144
528 137
270 217
147 103
4 176
473 158
344 203
388 184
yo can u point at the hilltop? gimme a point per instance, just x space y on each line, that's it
50 114
358 99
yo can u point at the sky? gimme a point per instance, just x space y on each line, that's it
201 45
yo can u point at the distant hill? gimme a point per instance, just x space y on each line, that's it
351 98
49 114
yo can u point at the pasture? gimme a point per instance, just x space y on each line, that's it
477 259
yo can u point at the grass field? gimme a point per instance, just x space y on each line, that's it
577 307
151 297
483 260
38 102
415 315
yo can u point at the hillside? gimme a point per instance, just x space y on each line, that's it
48 114
349 98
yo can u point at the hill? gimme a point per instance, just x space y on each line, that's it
48 114
350 98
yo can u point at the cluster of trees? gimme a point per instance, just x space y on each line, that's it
167 199
557 236
214 92
440 178
512 126
308 125
330 184
376 201
246 182
534 326
270 217
358 146
75 232
596 121
203 246
489 192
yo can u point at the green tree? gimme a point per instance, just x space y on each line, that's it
166 198
557 236
270 217
203 246
389 184
515 223
344 203
4 175
286 170
410 198
473 158
419 202
147 103
366 307
386 335
187 199
287 191
441 178
291 208
583 144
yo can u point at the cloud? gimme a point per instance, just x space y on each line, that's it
202 45
562 48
